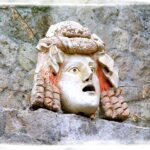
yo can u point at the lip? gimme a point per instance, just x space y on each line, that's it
89 88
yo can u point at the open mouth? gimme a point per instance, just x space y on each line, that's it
88 88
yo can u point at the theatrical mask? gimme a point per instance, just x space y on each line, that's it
75 74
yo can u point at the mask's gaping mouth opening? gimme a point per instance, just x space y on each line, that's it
89 88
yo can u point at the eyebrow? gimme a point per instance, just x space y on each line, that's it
91 63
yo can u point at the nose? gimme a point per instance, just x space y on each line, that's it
87 76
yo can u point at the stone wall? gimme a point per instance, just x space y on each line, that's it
124 29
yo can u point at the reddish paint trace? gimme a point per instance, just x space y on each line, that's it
54 79
104 83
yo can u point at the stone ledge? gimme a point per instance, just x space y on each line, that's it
46 127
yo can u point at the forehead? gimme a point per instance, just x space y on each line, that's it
78 59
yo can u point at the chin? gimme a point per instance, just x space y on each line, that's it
92 102
85 106
88 109
89 104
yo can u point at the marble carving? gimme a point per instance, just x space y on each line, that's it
75 74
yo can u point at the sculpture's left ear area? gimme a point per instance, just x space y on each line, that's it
107 72
112 102
105 85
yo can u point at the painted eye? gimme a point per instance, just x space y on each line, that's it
93 69
74 70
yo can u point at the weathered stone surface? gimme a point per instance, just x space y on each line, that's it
18 138
124 29
27 56
16 72
2 122
46 127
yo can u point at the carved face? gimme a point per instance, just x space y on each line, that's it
79 85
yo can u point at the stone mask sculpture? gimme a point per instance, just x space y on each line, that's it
79 85
75 74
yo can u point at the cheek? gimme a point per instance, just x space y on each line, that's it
96 83
70 81
69 77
